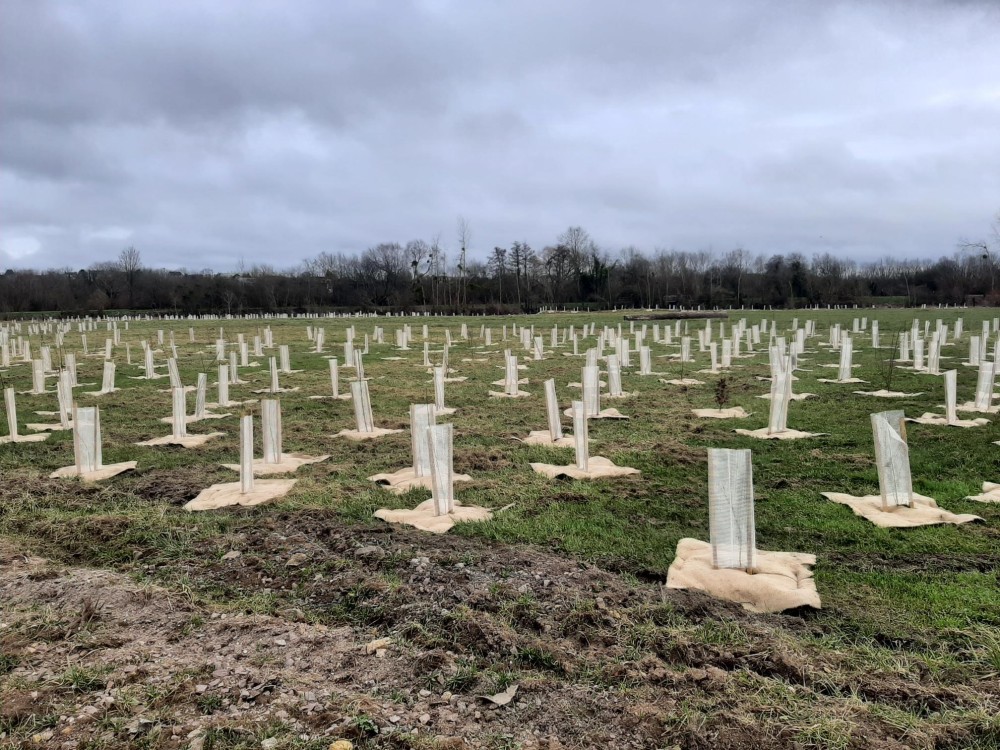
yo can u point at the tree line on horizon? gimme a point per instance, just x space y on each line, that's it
574 272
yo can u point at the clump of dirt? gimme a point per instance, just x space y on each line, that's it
175 486
675 452
469 461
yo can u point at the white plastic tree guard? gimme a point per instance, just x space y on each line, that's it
37 378
334 378
335 393
553 436
284 358
248 490
846 357
552 411
846 364
365 421
896 505
781 393
510 380
442 511
150 370
780 396
107 380
892 458
904 347
439 378
363 416
179 404
591 386
645 361
615 378
950 417
173 373
951 396
87 449
422 417
271 427
974 351
730 566
934 355
584 466
179 421
982 402
12 435
201 397
918 355
223 385
590 378
581 437
440 454
732 531
275 459
64 396
69 364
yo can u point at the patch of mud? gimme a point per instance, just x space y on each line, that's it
173 486
600 660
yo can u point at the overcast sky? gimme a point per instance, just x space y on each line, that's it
204 133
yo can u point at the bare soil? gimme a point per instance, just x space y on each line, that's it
274 640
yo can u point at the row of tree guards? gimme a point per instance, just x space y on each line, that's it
729 564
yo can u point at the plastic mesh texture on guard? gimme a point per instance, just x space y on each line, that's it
730 508
892 456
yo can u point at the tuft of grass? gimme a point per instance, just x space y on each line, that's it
81 679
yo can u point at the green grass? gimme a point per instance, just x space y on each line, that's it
889 595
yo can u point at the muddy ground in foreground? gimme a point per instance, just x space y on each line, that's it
94 659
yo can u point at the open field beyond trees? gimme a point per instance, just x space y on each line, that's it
129 622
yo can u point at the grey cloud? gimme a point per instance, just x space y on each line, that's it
272 131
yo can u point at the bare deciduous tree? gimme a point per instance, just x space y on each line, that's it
130 262
498 265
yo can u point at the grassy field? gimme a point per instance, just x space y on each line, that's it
125 623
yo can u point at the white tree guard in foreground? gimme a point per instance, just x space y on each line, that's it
248 490
418 473
88 450
892 457
581 437
730 566
442 510
12 435
896 505
731 508
552 411
440 455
